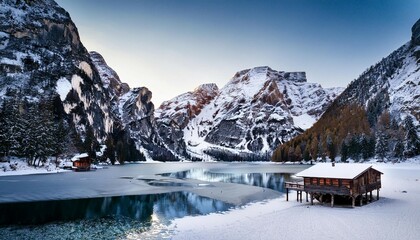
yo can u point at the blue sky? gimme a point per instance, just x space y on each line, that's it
172 46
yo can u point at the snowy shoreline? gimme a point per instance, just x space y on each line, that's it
394 216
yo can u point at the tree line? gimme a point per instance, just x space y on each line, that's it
346 132
31 129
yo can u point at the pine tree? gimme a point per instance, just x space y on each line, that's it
364 147
110 150
306 154
354 148
412 141
314 149
91 143
332 151
399 150
381 146
298 153
4 130
344 151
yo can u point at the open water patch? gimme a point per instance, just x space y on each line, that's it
102 218
273 181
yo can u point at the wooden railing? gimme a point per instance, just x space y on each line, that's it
328 189
294 186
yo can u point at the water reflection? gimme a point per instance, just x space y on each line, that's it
141 208
273 181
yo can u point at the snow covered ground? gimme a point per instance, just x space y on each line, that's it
18 166
394 216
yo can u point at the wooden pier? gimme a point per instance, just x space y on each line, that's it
299 187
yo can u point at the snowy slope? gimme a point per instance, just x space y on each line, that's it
404 90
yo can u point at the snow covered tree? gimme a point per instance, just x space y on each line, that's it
412 141
381 146
399 150
110 150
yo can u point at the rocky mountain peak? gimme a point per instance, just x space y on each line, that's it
109 77
208 88
415 30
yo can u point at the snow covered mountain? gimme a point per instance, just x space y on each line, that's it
257 110
43 62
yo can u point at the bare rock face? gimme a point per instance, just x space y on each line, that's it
109 77
174 115
133 111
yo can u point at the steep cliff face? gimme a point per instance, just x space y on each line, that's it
133 111
258 109
174 115
415 30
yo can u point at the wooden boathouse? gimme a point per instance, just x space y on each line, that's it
81 162
328 181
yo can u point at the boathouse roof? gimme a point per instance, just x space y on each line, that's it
78 157
337 170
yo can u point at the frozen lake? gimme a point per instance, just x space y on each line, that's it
133 198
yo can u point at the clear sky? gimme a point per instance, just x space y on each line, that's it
172 46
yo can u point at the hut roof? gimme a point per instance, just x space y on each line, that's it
340 170
78 157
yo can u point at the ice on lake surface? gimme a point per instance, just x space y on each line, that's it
131 200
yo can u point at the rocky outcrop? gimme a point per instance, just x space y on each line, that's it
174 115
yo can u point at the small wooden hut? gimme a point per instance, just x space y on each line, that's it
81 162
325 181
